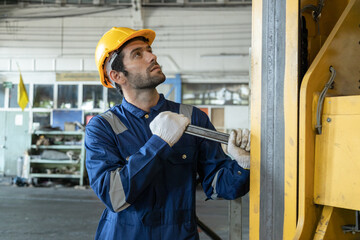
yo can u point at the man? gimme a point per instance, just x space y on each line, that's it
139 161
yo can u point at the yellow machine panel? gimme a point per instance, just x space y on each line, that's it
321 169
321 81
337 154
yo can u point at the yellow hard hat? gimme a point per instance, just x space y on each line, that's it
113 40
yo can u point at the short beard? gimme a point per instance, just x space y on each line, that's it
138 81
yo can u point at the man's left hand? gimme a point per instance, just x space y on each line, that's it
239 147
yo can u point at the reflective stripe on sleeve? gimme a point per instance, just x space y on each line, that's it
117 194
115 123
213 184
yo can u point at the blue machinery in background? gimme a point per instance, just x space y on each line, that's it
176 87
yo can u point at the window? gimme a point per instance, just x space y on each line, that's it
198 1
92 97
8 2
67 96
43 96
114 97
117 1
79 1
13 95
215 94
41 119
2 95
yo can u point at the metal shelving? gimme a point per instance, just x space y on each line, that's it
40 167
53 161
61 147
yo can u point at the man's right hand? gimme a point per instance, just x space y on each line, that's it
169 126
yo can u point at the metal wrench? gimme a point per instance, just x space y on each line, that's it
208 134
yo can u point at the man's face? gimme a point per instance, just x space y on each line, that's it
143 70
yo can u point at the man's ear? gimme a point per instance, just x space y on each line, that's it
118 77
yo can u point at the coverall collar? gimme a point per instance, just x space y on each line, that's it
139 112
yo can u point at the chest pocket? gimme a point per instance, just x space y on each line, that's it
184 151
180 170
183 155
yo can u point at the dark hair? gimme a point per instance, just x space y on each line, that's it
118 64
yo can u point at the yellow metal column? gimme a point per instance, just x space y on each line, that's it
291 118
256 55
290 105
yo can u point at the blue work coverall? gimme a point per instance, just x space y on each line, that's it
147 186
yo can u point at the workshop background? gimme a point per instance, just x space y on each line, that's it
203 47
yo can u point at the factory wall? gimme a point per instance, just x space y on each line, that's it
55 46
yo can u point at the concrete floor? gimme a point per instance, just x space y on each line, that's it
62 213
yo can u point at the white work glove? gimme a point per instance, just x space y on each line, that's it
239 147
169 126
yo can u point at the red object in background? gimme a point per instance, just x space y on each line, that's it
205 110
88 117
